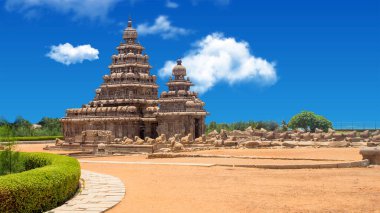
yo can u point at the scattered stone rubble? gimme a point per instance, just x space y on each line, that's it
249 138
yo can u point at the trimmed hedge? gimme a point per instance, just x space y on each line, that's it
32 138
49 182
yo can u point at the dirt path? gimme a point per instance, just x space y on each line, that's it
170 188
218 189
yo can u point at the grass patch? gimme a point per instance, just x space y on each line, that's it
30 138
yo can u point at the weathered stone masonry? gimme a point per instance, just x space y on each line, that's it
127 104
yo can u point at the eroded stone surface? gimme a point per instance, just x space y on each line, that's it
372 154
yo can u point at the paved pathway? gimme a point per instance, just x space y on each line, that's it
99 193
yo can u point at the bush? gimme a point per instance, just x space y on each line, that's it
22 127
31 138
309 121
51 180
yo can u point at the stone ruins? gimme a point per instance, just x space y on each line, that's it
126 116
126 108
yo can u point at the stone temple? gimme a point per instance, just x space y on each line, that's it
127 105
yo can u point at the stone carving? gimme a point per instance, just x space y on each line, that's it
127 140
149 140
330 130
187 139
101 146
377 132
59 142
126 103
318 130
177 147
376 138
138 141
269 135
364 134
201 139
223 134
161 139
372 154
213 133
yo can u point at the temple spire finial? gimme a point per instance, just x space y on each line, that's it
179 61
129 21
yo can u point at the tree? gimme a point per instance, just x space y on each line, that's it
211 126
21 127
268 125
3 121
309 121
284 126
9 158
49 126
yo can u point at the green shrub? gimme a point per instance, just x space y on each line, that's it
309 121
51 180
31 138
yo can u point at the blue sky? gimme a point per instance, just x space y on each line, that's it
322 56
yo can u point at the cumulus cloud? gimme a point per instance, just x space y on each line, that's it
217 58
171 4
67 54
91 9
162 26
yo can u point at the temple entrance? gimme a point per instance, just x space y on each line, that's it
154 133
196 128
142 131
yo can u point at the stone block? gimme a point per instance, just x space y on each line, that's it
290 144
372 154
306 143
373 144
358 144
321 144
338 144
230 143
276 143
251 144
265 144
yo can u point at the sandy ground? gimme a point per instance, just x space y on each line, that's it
167 188
316 153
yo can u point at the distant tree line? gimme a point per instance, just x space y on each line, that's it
308 121
23 128
241 125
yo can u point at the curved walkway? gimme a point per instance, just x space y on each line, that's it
98 193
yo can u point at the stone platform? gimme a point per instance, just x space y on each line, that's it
107 149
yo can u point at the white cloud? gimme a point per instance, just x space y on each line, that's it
171 4
216 58
67 54
163 27
91 9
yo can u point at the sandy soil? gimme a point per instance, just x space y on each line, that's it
38 148
224 161
316 153
218 189
166 188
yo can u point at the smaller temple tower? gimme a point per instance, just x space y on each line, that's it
181 111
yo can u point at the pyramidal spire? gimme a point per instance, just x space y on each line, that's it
129 22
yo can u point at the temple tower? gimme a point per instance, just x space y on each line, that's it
181 111
126 101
